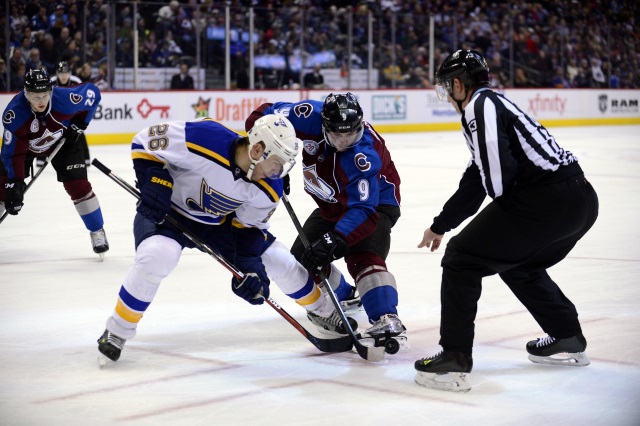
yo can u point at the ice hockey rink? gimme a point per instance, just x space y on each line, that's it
203 356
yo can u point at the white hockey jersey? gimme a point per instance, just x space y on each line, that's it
207 184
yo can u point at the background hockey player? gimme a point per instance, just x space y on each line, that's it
225 188
349 173
35 121
542 205
64 78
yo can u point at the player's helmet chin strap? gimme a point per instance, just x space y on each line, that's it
252 167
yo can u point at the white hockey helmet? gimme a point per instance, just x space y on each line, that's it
279 138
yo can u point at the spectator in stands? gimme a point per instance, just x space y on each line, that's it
102 80
520 78
17 78
598 78
96 52
15 60
34 61
48 52
4 87
40 21
84 72
63 39
26 47
182 80
314 79
17 21
124 53
58 18
559 80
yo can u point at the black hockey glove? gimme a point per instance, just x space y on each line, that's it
14 195
155 201
254 288
324 251
72 134
286 184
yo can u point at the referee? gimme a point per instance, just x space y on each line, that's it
64 77
542 205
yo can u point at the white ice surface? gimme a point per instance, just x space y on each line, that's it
205 357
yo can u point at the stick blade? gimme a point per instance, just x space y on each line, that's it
370 353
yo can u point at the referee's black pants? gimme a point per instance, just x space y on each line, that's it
518 238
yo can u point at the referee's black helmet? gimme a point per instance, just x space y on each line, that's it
467 65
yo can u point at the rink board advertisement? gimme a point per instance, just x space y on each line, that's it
122 114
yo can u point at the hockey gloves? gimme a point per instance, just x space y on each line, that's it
324 251
155 201
72 134
254 288
14 195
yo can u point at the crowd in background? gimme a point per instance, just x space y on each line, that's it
557 43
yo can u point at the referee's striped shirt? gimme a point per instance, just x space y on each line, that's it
509 147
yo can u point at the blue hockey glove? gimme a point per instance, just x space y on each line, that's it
72 134
254 288
324 251
14 195
155 201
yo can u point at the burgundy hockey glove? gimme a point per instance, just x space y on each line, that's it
155 201
324 251
14 195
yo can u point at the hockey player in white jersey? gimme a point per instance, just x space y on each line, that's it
222 187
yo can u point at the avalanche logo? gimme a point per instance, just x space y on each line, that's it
316 186
9 116
361 162
75 98
45 141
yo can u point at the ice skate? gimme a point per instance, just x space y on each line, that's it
389 332
448 371
568 352
110 347
331 324
352 303
99 242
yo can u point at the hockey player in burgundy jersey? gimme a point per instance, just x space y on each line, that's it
35 122
349 173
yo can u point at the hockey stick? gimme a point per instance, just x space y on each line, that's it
370 353
39 172
341 344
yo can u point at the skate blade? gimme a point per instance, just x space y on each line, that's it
579 359
101 257
450 382
103 361
351 307
328 333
